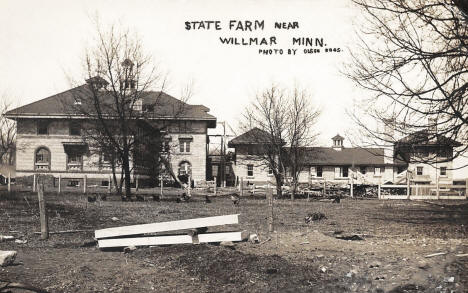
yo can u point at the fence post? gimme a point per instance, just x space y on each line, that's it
379 191
161 186
241 186
351 188
189 187
136 182
437 188
466 188
109 186
34 183
9 182
60 184
270 209
215 185
84 184
43 213
324 187
408 187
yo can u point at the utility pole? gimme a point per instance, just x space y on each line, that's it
223 156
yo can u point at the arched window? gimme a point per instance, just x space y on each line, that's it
185 168
42 159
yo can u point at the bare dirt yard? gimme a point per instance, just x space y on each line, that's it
386 253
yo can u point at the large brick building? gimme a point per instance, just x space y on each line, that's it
49 138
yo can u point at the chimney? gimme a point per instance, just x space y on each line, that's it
97 82
337 142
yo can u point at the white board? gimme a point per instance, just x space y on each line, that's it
167 226
173 239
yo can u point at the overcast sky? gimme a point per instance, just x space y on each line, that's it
43 42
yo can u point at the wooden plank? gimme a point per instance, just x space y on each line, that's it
172 239
441 185
421 197
392 186
167 226
436 254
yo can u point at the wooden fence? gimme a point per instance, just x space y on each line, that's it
423 191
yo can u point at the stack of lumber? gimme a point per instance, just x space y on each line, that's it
194 231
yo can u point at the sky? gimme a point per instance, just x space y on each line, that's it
42 44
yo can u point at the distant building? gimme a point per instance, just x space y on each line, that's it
429 157
339 163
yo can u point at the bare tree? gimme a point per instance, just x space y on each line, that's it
412 59
302 117
7 134
284 124
120 108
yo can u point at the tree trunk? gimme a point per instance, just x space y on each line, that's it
293 190
126 170
279 183
114 177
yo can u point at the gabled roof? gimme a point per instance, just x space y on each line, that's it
325 156
253 136
165 106
425 137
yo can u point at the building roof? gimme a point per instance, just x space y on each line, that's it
324 156
61 104
253 136
327 156
425 137
338 137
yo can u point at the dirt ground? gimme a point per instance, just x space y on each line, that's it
299 257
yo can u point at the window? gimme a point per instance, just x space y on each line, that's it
337 172
250 172
127 84
104 183
443 171
42 160
362 169
419 170
185 168
313 172
106 157
75 128
73 183
270 171
42 127
341 172
377 171
185 126
74 161
345 171
319 171
184 145
137 105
